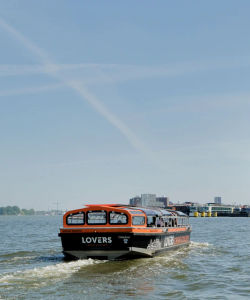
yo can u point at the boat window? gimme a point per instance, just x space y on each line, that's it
166 221
97 217
117 218
150 221
169 222
138 220
174 222
75 219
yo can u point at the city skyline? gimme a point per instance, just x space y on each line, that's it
100 102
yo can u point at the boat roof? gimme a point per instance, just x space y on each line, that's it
149 211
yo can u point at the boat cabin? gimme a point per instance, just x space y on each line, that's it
109 215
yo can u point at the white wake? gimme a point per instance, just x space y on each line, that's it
41 275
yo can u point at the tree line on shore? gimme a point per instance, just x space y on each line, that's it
15 210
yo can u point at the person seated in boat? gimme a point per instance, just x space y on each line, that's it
167 223
150 221
174 222
159 222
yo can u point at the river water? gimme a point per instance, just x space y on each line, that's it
215 266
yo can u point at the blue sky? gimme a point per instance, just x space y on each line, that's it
104 100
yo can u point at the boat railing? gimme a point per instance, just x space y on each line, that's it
168 221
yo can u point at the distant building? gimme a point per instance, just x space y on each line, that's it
148 200
217 200
181 207
212 208
246 210
163 200
136 201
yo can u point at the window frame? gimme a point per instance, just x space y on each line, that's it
138 217
100 211
76 213
120 213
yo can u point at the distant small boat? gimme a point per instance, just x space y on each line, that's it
113 231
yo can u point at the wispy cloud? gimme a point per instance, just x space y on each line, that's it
93 73
15 70
78 87
221 101
31 90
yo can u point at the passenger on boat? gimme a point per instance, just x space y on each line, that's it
167 223
159 222
150 221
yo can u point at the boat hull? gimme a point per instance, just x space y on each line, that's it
113 246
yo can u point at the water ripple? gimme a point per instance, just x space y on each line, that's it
215 266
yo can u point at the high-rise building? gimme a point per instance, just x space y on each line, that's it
217 200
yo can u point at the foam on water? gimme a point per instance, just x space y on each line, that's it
16 259
14 254
194 245
41 276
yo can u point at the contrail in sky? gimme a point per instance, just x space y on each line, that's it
52 69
